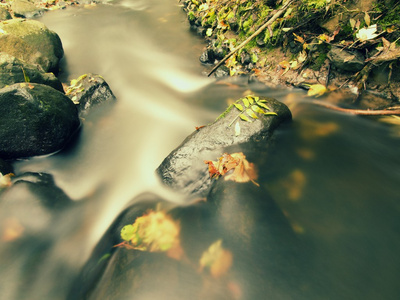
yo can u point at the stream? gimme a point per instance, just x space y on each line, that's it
335 176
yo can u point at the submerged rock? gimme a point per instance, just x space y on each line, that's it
32 200
32 42
35 232
184 168
13 70
88 91
235 245
35 120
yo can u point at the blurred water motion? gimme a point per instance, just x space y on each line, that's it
335 176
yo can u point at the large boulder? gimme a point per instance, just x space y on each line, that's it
14 70
35 120
184 168
89 90
32 42
236 245
25 9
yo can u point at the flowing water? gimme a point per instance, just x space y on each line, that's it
335 176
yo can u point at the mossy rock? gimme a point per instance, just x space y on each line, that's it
14 70
25 9
89 90
35 120
33 42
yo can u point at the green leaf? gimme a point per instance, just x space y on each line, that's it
26 77
246 102
263 105
238 106
257 109
270 113
127 232
244 118
251 113
251 100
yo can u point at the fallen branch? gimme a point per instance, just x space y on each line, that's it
259 30
360 112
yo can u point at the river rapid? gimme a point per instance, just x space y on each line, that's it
335 176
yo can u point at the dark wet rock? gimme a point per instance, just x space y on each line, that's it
35 120
88 91
13 70
5 167
207 57
184 168
25 9
345 60
222 71
32 42
4 14
245 58
243 216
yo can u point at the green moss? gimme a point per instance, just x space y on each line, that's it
221 116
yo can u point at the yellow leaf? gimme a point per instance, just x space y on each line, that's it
12 229
5 180
298 38
367 19
317 90
352 23
153 232
217 259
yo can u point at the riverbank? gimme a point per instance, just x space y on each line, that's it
326 47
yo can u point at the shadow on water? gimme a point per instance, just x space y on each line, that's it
335 177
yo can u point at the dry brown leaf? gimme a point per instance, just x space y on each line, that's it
243 171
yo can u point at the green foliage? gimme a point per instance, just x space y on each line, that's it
250 107
315 3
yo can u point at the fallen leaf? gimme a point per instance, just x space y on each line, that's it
298 38
367 19
237 129
365 34
217 259
317 90
153 232
243 171
5 180
12 229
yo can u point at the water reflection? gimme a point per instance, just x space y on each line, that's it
335 176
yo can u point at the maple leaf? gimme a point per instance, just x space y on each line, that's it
243 171
153 232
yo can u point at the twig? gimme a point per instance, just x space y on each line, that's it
360 112
259 30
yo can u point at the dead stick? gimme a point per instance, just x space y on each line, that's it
360 112
259 30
